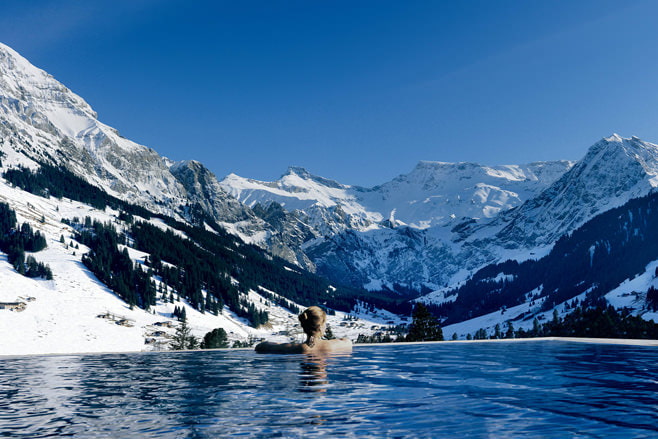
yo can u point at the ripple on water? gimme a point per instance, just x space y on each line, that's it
538 389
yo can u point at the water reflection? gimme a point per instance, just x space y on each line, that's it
488 390
313 374
313 370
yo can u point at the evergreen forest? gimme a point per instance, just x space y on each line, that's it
612 247
15 241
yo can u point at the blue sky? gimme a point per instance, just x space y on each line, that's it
357 91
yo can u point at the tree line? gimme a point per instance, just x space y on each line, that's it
593 259
15 241
248 264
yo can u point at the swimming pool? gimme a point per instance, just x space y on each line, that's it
531 389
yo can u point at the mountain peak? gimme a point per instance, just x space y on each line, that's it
288 179
29 86
299 171
613 138
187 164
614 171
616 150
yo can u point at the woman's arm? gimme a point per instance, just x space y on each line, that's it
268 347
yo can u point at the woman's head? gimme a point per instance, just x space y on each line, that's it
313 320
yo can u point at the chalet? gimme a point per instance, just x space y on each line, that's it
13 306
109 316
125 322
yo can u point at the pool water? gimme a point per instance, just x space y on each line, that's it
539 389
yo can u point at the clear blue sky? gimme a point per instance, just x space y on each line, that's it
358 91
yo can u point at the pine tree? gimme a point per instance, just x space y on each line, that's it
510 330
497 333
183 338
424 327
215 339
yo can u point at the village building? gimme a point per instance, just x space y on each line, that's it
13 306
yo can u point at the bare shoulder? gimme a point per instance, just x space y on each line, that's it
339 344
343 343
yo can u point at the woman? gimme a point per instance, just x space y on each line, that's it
314 323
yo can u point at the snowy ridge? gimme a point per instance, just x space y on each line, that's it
614 171
433 192
43 119
400 232
436 192
297 190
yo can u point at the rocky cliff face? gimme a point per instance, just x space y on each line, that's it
203 190
44 122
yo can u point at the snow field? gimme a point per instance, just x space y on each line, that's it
62 315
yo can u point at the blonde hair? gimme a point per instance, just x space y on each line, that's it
312 320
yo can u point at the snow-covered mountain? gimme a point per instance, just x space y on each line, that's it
610 260
614 171
424 228
398 232
433 226
75 312
433 193
42 121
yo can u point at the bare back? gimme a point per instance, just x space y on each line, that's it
320 347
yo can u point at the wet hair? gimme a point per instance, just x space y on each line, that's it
312 319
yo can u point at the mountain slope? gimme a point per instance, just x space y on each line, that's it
44 122
614 171
80 311
97 198
612 258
